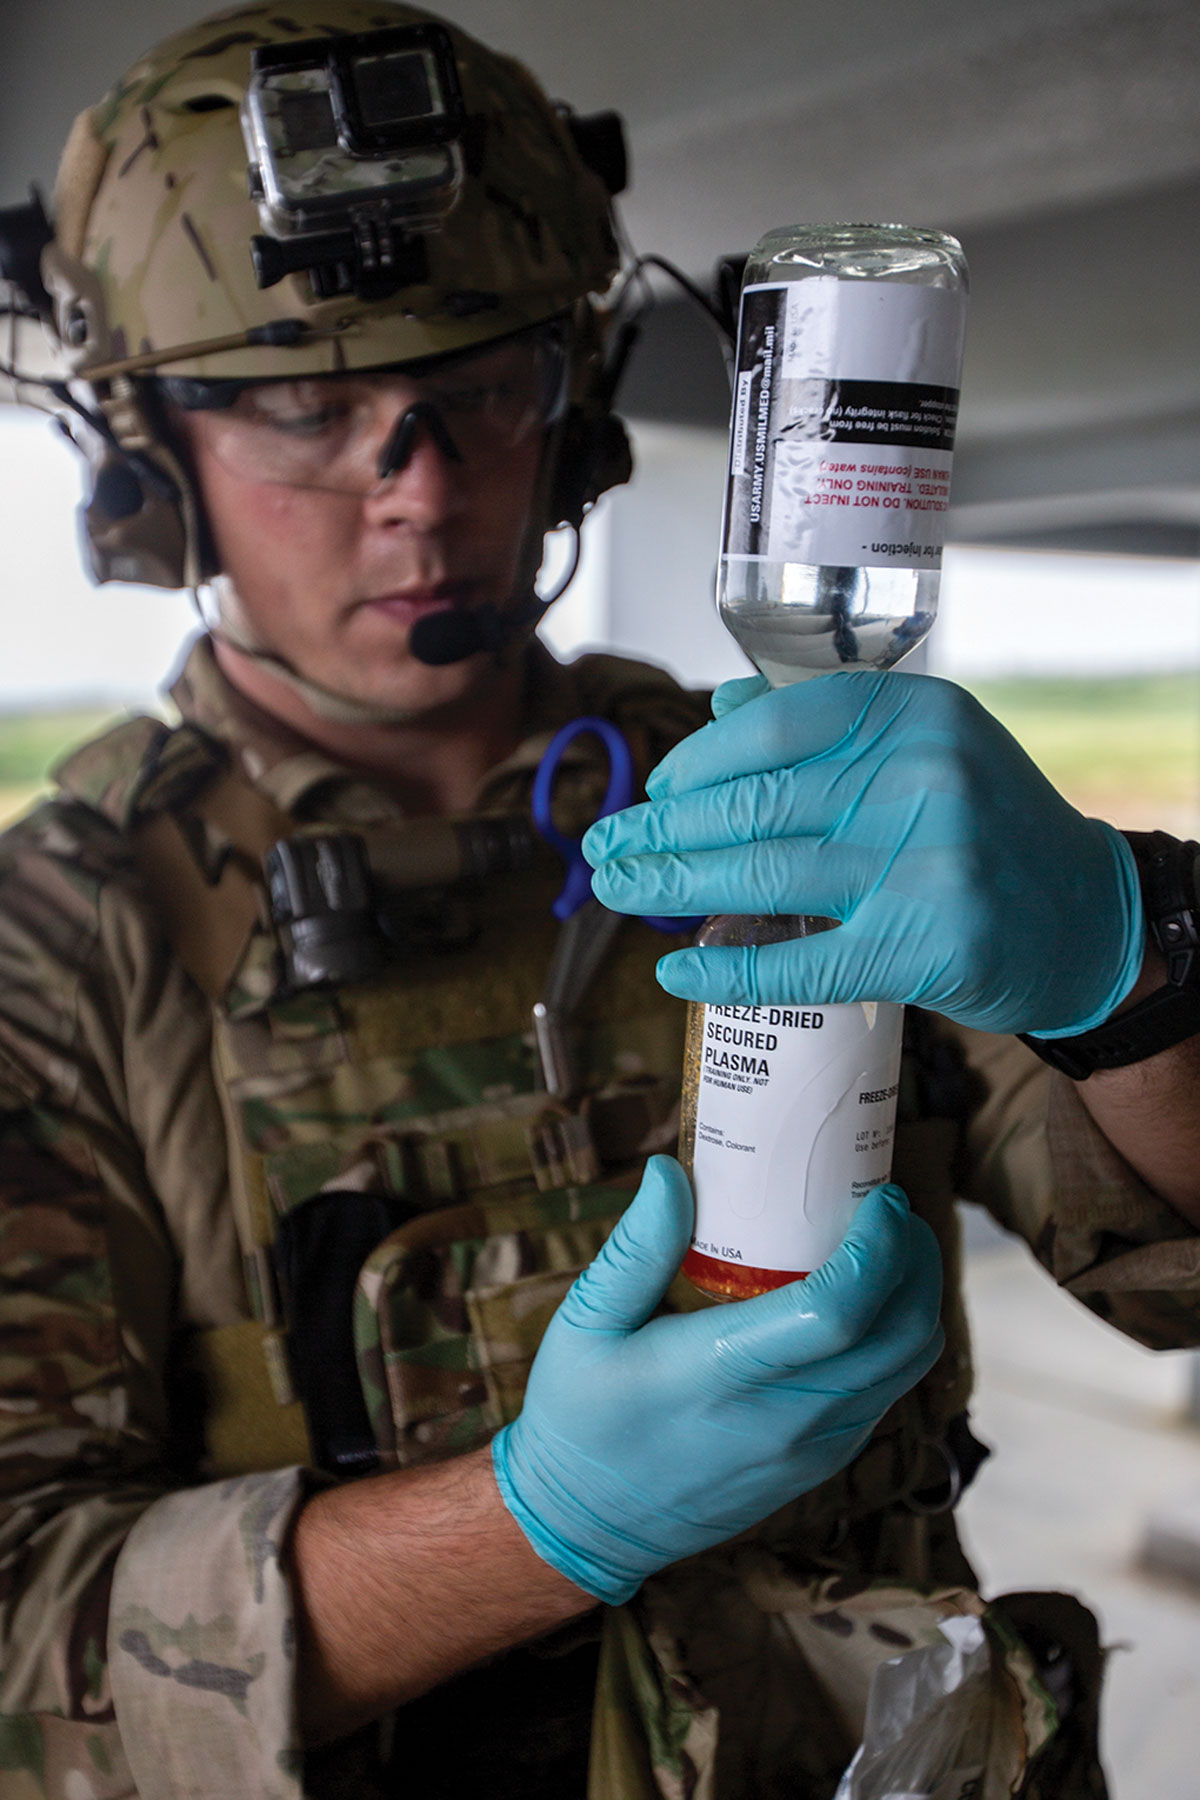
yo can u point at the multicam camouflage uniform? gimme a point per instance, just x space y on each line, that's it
156 1143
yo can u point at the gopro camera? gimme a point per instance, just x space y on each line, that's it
355 151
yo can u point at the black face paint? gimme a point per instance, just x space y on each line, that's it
397 452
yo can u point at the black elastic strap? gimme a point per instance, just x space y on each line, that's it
319 1249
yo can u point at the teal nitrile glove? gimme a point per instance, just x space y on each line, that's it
643 1440
897 805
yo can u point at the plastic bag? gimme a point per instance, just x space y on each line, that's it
928 1722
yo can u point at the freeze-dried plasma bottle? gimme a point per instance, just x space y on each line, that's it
845 400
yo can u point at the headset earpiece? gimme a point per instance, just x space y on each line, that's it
116 490
25 232
593 456
131 531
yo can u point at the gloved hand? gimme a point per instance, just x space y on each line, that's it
897 805
643 1440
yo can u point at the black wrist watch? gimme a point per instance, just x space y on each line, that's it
1170 876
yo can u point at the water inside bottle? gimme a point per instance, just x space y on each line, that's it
795 619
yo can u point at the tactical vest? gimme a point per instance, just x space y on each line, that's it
412 1207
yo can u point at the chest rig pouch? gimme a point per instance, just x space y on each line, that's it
411 1204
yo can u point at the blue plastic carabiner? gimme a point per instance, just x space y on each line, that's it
577 889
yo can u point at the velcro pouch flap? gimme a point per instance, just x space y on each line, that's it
451 1307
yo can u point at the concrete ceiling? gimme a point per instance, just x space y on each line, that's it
1059 138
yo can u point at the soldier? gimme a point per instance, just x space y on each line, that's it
287 1209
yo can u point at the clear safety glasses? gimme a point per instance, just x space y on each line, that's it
351 434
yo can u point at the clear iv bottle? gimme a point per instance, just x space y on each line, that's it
850 342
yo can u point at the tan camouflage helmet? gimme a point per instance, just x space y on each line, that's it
151 271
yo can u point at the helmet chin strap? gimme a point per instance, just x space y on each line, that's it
232 626
440 639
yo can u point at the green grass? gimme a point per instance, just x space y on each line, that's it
30 745
1127 748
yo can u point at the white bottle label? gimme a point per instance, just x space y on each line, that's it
795 1117
845 403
